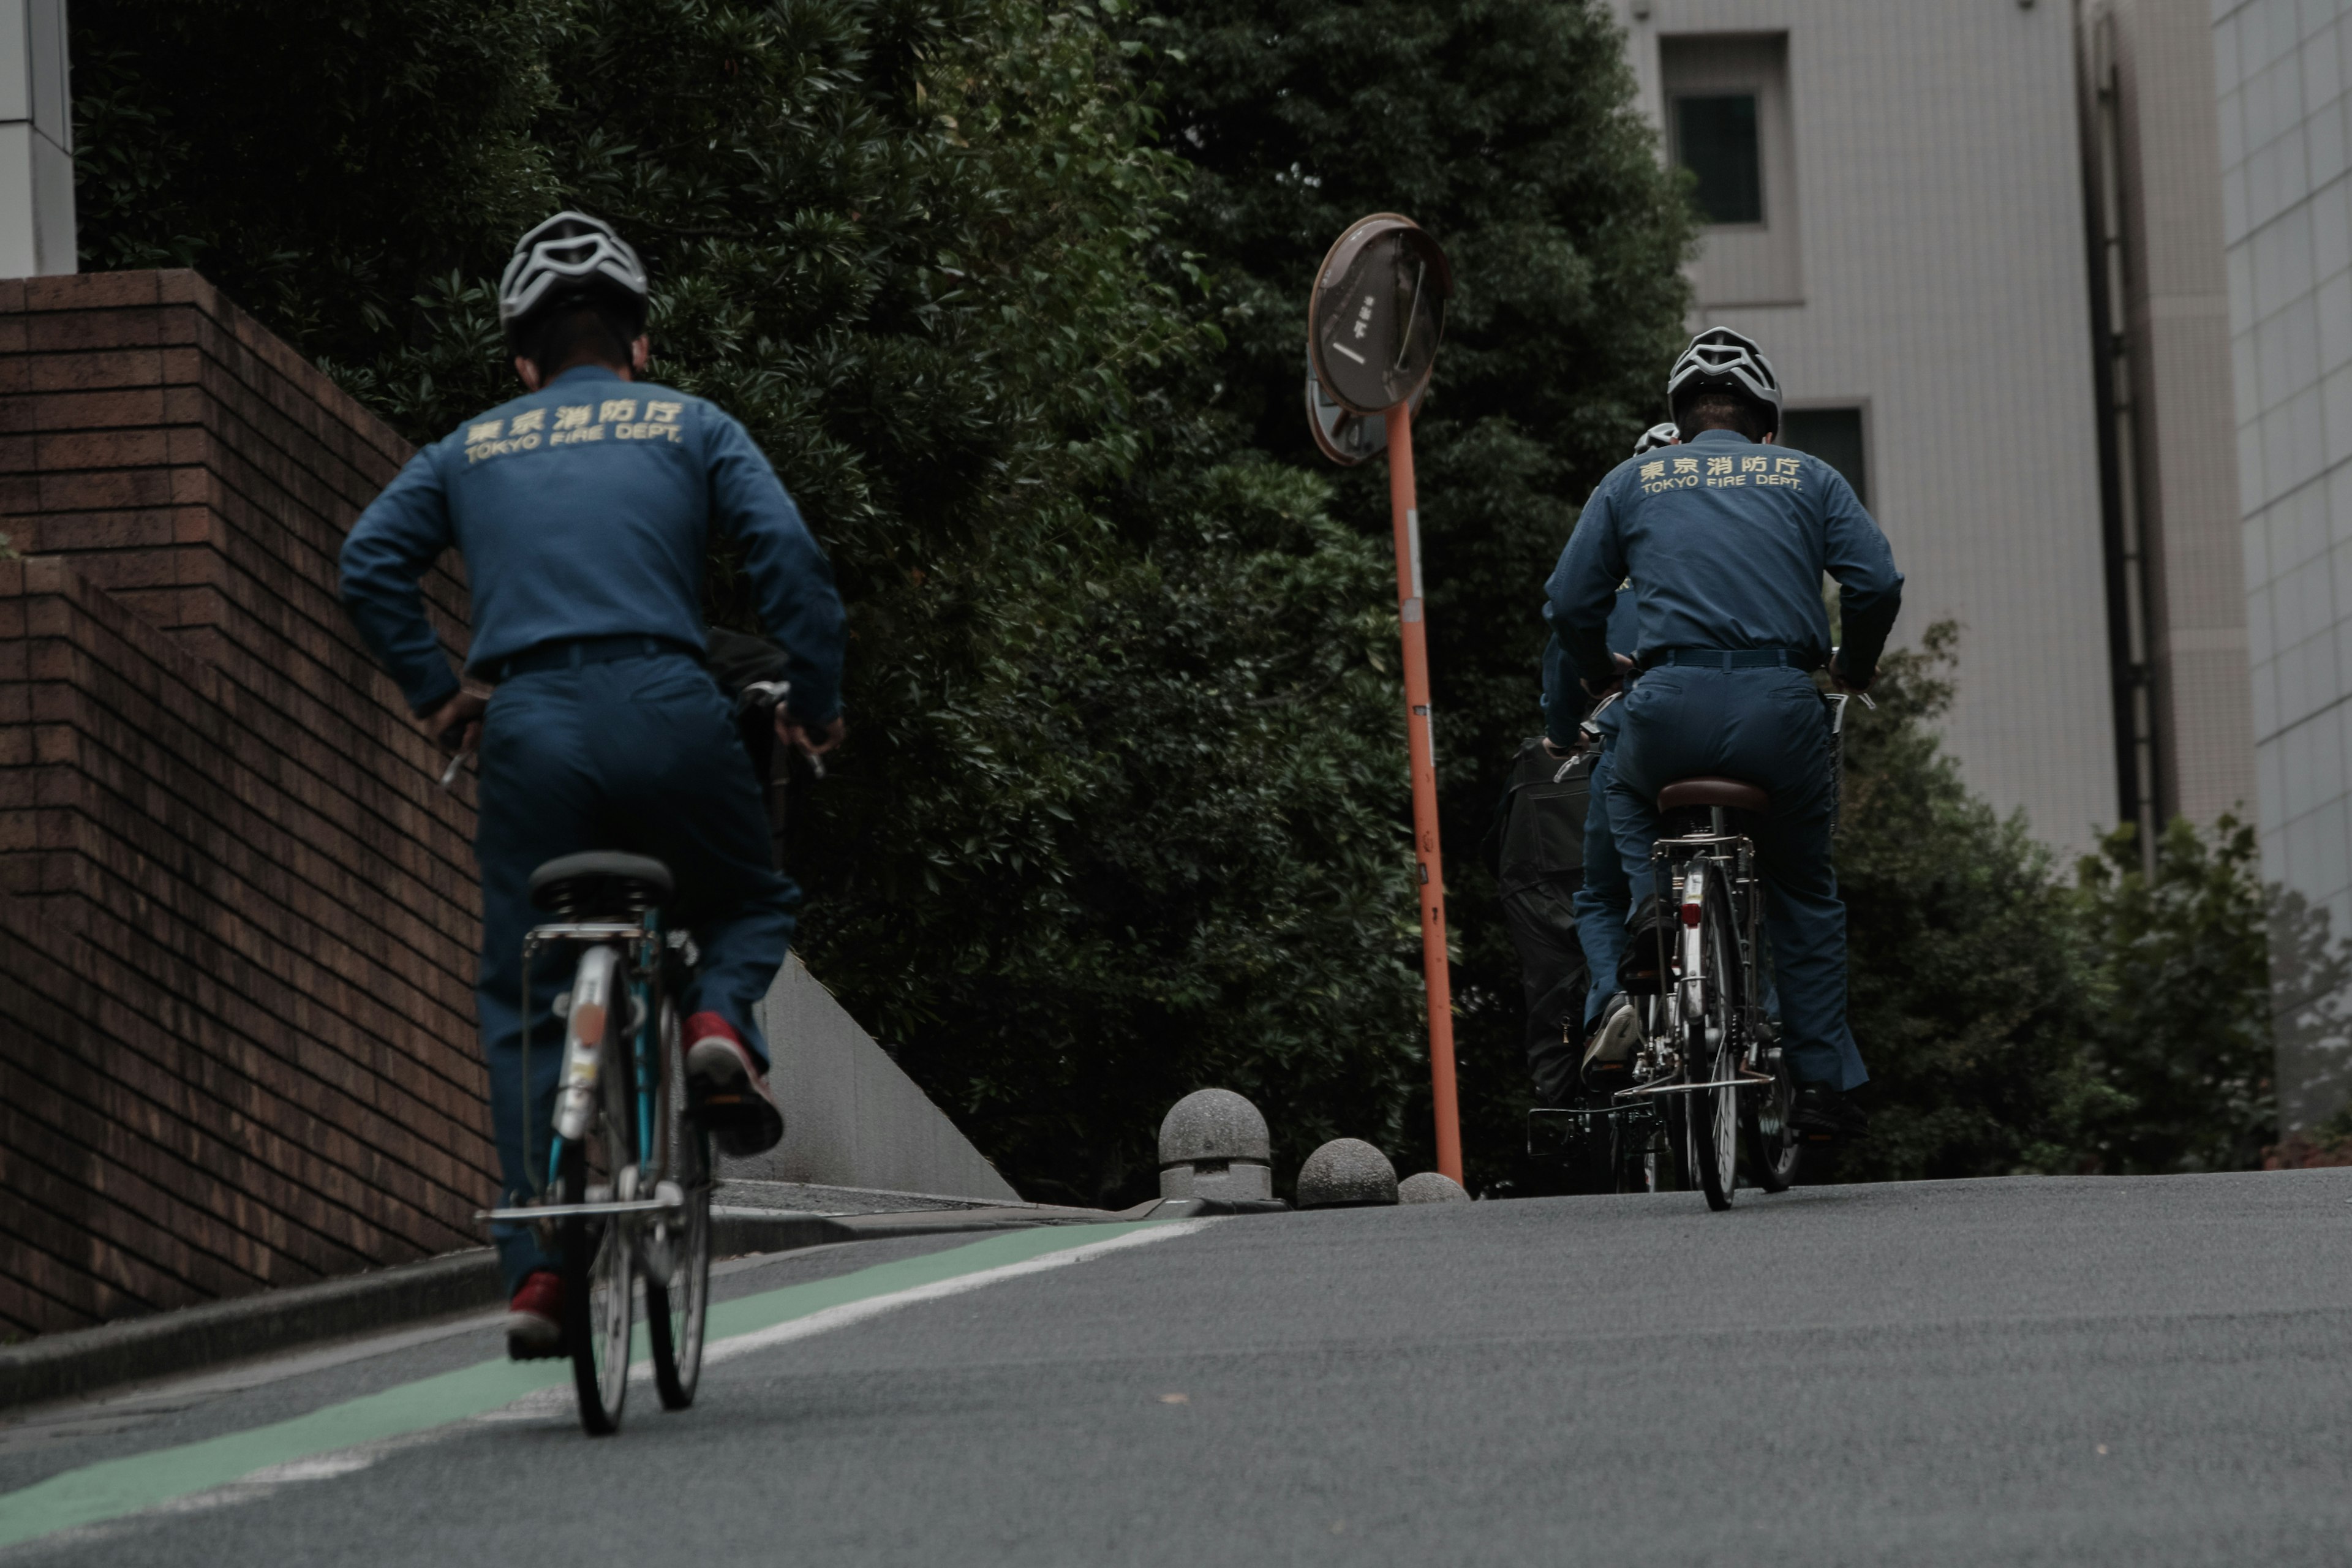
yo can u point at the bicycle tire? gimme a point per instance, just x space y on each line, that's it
1774 1150
678 1271
599 1253
1714 1046
1634 1155
1588 1158
1671 1150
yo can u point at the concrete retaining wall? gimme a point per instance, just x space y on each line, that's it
852 1118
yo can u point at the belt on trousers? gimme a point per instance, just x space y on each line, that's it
578 651
1734 658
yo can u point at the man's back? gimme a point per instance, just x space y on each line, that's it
585 510
1727 541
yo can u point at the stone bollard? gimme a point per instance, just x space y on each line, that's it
1213 1144
1431 1187
1346 1172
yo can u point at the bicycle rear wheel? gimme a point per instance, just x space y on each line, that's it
678 1250
1713 1045
599 1252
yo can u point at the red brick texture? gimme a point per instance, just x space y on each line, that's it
237 913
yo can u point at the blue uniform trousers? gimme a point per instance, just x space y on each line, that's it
1604 900
1768 728
637 754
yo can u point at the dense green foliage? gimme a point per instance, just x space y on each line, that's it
1015 296
1120 815
2182 1030
1508 128
322 163
2017 1022
1969 988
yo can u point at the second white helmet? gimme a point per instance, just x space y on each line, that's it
1658 435
1720 360
570 252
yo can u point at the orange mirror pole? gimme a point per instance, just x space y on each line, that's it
1421 744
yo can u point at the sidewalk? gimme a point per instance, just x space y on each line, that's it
747 1217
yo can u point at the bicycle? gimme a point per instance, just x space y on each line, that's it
1708 1075
627 1196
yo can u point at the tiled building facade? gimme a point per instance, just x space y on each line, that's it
2281 68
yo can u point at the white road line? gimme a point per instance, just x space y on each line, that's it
850 1312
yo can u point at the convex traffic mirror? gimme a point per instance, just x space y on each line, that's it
1375 316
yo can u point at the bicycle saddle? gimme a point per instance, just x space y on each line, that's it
601 878
1729 794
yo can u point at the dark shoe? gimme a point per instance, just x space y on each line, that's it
1608 1059
728 1090
1825 1115
535 1318
1638 973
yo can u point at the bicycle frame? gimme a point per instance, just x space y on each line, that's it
1680 866
640 947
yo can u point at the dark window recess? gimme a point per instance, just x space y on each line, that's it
1832 435
1714 138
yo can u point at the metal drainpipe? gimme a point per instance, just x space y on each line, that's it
2123 415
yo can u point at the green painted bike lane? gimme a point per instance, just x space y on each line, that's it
110 1489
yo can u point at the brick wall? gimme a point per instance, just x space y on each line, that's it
236 914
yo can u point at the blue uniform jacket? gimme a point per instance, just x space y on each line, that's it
1726 542
583 510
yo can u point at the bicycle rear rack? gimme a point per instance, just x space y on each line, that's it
570 1211
1747 1079
583 930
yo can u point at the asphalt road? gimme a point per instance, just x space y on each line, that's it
2078 1372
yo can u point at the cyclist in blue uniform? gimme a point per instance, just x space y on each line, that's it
583 510
1725 540
1605 897
1548 861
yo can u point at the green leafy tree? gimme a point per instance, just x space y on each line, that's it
2311 1023
1119 817
320 163
2183 1030
1507 127
1971 984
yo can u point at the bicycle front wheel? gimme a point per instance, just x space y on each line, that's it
1713 1046
678 1250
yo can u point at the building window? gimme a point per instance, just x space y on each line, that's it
1834 435
1724 100
1715 140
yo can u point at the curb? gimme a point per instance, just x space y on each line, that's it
189 1339
57 1366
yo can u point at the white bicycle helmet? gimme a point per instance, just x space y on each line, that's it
1720 360
570 253
1658 435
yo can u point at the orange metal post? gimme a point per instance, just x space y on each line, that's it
1422 742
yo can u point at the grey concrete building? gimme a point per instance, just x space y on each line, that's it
2160 302
2280 69
1900 222
1975 317
36 187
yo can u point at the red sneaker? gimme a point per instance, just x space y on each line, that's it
535 1317
729 1090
